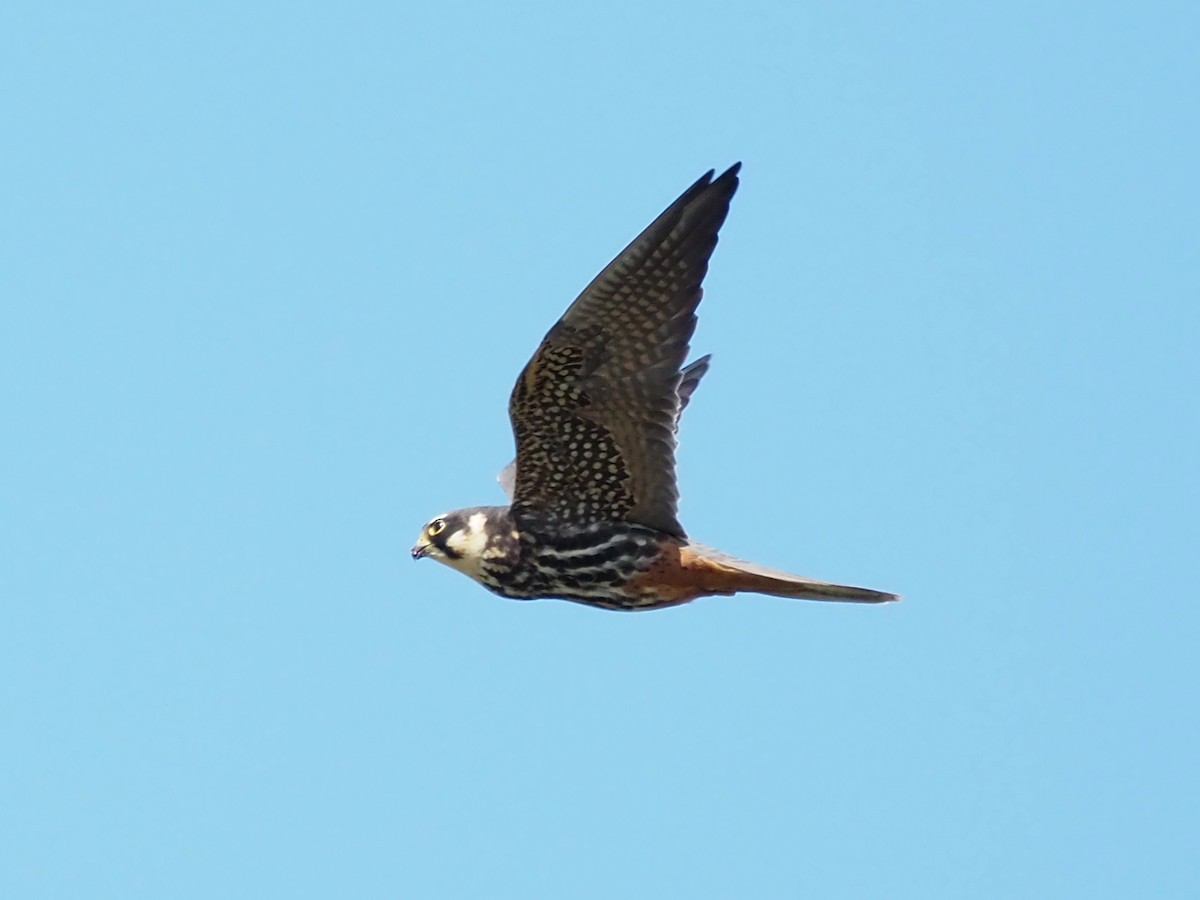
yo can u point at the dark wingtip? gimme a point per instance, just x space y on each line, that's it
726 183
730 175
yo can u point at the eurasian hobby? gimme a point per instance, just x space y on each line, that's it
594 414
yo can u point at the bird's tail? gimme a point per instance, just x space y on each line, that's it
736 575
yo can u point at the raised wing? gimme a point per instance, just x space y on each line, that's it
594 412
688 379
508 479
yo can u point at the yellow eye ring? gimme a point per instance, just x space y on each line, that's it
436 527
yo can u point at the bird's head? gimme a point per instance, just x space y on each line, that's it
457 539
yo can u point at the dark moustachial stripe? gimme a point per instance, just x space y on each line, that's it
440 541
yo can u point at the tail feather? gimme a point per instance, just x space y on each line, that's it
748 576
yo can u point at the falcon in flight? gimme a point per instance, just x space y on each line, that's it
594 414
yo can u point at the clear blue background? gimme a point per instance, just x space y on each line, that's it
268 272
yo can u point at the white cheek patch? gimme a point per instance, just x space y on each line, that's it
469 543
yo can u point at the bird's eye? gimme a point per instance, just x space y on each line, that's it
436 527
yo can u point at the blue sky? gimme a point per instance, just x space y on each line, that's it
268 273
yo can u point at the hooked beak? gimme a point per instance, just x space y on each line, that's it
420 550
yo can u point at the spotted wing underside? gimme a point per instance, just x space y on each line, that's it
595 410
688 379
